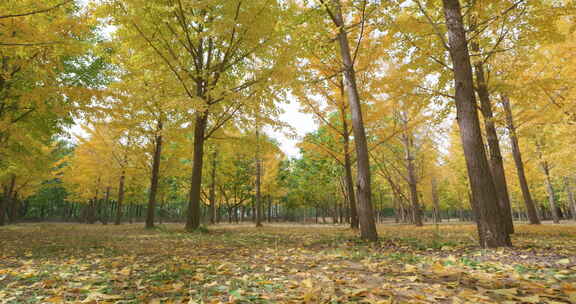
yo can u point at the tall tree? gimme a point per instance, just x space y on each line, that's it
517 155
495 233
363 182
157 154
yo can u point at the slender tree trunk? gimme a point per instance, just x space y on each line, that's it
408 142
213 189
13 208
397 214
9 199
354 224
3 208
436 201
193 217
551 196
155 176
91 212
131 213
346 198
481 182
571 199
496 163
258 202
6 200
530 207
120 198
365 212
269 208
104 214
93 205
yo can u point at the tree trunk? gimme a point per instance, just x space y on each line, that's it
348 167
571 199
258 202
436 201
120 198
3 209
131 213
408 142
354 224
530 207
481 182
155 176
213 189
397 213
104 214
551 196
476 218
193 217
269 208
91 213
496 163
366 214
8 201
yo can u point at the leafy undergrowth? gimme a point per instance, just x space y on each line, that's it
75 263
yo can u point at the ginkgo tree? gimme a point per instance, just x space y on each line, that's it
45 74
321 88
220 53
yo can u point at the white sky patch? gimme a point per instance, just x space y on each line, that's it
301 122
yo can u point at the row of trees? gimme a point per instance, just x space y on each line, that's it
152 167
46 71
175 105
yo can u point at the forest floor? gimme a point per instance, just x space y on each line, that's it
78 263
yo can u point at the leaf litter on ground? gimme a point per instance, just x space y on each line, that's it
282 263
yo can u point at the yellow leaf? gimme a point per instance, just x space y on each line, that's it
55 299
125 271
307 283
563 262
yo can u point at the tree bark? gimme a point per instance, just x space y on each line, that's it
193 216
269 208
354 224
213 188
496 163
481 182
104 212
9 203
477 218
258 203
571 199
436 201
3 209
408 142
551 196
350 184
91 212
120 198
365 212
6 200
155 176
530 207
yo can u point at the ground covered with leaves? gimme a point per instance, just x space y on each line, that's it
280 263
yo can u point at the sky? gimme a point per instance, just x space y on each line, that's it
301 122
